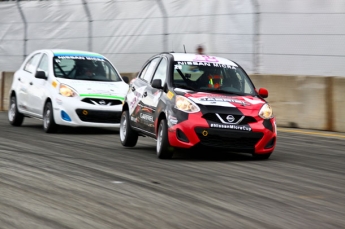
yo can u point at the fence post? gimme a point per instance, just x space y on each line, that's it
165 24
2 89
88 15
25 27
256 37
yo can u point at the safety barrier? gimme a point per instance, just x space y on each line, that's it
307 102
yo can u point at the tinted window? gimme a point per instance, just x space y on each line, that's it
150 69
161 72
95 69
31 65
208 77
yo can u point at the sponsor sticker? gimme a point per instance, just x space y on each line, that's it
172 120
232 127
205 58
170 95
195 63
54 83
219 99
146 117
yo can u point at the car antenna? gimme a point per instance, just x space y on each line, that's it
184 48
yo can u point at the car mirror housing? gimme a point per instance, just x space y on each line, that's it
126 79
157 83
263 92
40 75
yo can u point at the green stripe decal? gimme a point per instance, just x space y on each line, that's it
103 96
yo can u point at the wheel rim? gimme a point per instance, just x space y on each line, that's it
123 130
12 111
159 138
47 118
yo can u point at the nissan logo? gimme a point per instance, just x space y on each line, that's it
230 118
102 102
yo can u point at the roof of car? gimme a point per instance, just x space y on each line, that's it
201 58
68 52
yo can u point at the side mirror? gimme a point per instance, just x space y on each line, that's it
40 75
125 78
157 83
263 92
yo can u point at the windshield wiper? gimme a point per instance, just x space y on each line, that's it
183 86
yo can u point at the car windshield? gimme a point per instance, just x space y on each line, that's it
84 68
207 77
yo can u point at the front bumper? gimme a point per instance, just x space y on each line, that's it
82 114
258 137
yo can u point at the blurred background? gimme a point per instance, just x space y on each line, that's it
293 48
264 36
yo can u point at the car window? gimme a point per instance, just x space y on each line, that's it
31 65
44 64
198 77
150 69
161 72
141 76
85 69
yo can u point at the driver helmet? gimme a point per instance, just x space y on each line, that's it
215 81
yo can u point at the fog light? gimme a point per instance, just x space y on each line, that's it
181 136
271 143
65 116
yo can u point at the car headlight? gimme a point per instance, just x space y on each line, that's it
266 111
186 105
67 91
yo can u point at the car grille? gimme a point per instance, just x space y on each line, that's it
214 118
103 102
99 116
230 139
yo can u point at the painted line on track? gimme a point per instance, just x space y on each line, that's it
321 134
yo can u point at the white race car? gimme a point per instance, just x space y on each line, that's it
67 87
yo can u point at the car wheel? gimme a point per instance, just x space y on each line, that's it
128 136
49 124
14 116
164 150
261 156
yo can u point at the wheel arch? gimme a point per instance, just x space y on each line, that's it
125 107
161 116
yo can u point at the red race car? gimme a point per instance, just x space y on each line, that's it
187 100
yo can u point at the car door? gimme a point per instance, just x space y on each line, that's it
140 113
38 89
153 95
25 77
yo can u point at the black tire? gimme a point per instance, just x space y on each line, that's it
14 116
128 136
163 149
49 124
261 156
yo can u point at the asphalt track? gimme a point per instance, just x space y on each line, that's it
84 178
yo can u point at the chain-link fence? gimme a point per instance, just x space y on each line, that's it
264 36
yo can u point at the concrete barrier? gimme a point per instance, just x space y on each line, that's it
297 101
307 102
5 85
339 103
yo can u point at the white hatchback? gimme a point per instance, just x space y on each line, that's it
67 87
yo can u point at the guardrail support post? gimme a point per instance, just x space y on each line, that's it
25 27
88 14
165 24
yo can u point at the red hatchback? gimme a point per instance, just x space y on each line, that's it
187 100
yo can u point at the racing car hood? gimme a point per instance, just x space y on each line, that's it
97 88
225 100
